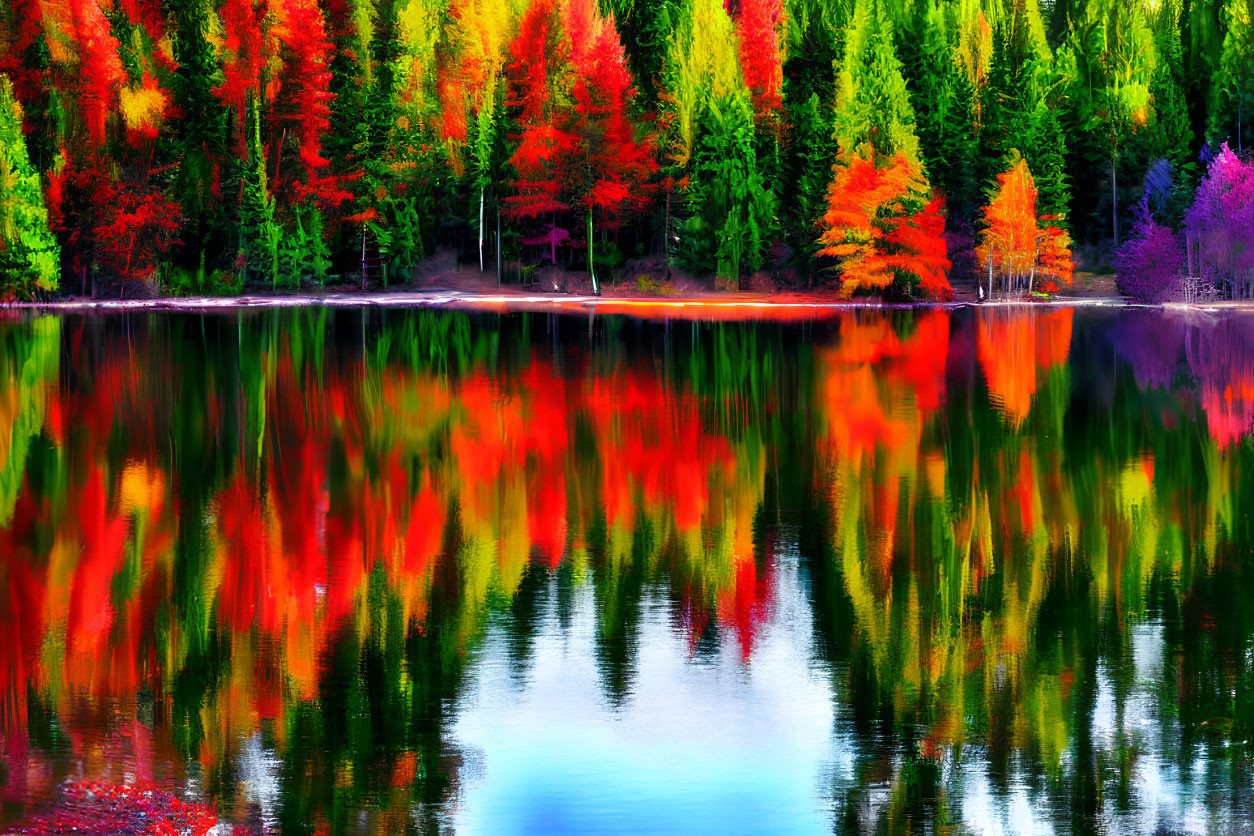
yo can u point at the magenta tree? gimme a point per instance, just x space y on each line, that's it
1220 225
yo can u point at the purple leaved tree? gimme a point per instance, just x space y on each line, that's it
1221 225
1148 265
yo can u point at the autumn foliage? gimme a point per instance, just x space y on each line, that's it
758 27
570 88
882 227
1015 248
704 132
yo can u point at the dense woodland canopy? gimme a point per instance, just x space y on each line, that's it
205 144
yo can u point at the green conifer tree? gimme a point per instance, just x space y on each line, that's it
1109 59
1202 27
1232 81
30 259
729 206
941 95
732 208
201 130
260 235
645 27
813 36
1169 134
1020 105
872 102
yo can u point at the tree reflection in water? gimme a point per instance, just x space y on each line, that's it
891 570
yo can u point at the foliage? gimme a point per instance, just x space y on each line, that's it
1014 247
730 209
1232 84
397 229
571 87
872 102
703 129
259 234
1109 60
136 232
945 107
882 228
1221 223
758 25
30 259
1149 264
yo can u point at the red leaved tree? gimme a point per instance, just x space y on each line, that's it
579 153
881 226
304 97
545 147
1055 267
1015 248
137 233
617 166
758 27
247 49
101 72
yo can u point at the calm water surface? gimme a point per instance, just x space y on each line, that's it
346 572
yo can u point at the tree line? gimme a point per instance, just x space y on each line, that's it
883 144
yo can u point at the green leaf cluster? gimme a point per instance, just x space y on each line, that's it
30 258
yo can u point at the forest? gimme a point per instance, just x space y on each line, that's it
892 147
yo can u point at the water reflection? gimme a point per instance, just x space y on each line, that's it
419 571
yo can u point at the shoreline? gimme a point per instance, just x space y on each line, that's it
712 306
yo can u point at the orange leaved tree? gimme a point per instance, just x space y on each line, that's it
882 226
1022 252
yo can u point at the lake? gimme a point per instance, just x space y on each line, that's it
982 570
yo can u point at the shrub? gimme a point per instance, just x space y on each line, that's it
1148 265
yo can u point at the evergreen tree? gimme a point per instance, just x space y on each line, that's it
645 27
872 102
1109 58
730 204
1202 26
1170 134
941 94
1232 83
199 130
730 208
259 234
353 79
883 223
807 170
813 44
1046 148
1168 139
30 259
1021 102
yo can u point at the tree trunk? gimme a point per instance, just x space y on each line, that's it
498 243
278 158
1114 197
990 272
481 190
596 290
666 234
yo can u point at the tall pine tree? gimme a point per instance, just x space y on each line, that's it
1232 83
1109 58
